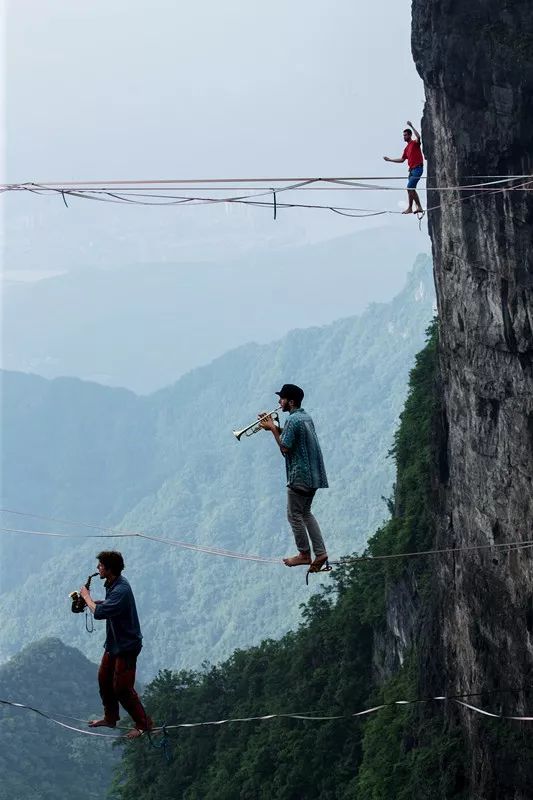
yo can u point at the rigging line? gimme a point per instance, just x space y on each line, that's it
88 195
335 209
139 192
349 184
153 187
517 545
342 210
57 721
266 193
339 209
143 194
70 535
80 719
215 551
207 201
267 189
340 184
115 532
82 195
365 712
266 204
203 200
166 200
489 187
56 519
368 214
126 728
471 197
212 550
267 181
288 715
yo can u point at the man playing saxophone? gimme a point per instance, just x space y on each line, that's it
306 473
116 675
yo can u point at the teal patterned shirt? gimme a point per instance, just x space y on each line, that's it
304 461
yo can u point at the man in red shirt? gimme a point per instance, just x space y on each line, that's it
415 161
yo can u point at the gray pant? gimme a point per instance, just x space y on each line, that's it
303 522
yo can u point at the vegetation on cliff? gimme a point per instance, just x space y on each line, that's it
326 667
168 465
39 760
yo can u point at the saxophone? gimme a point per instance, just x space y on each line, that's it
78 603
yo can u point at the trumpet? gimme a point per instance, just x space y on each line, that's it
78 603
253 427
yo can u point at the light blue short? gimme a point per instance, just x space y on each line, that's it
414 176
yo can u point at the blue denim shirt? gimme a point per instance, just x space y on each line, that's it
123 632
304 461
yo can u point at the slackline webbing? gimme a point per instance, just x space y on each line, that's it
309 717
112 533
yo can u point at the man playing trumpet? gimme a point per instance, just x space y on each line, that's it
304 464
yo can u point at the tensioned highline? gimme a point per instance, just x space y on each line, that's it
114 533
303 716
231 181
142 192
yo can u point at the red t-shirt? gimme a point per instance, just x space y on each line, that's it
413 154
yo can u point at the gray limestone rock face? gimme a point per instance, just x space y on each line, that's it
476 61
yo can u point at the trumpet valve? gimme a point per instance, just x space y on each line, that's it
254 427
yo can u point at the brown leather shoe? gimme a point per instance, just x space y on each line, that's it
301 560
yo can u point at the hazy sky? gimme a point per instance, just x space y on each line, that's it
121 88
131 89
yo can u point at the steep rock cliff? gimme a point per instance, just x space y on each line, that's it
476 60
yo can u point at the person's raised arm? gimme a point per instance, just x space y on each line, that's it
418 137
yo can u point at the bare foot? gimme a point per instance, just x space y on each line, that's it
420 211
301 560
134 733
101 723
408 211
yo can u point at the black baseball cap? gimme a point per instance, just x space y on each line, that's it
291 392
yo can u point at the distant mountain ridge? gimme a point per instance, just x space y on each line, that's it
39 760
168 464
164 319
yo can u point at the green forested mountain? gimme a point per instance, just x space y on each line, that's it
326 666
40 760
169 465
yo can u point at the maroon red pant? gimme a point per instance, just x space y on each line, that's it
116 679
